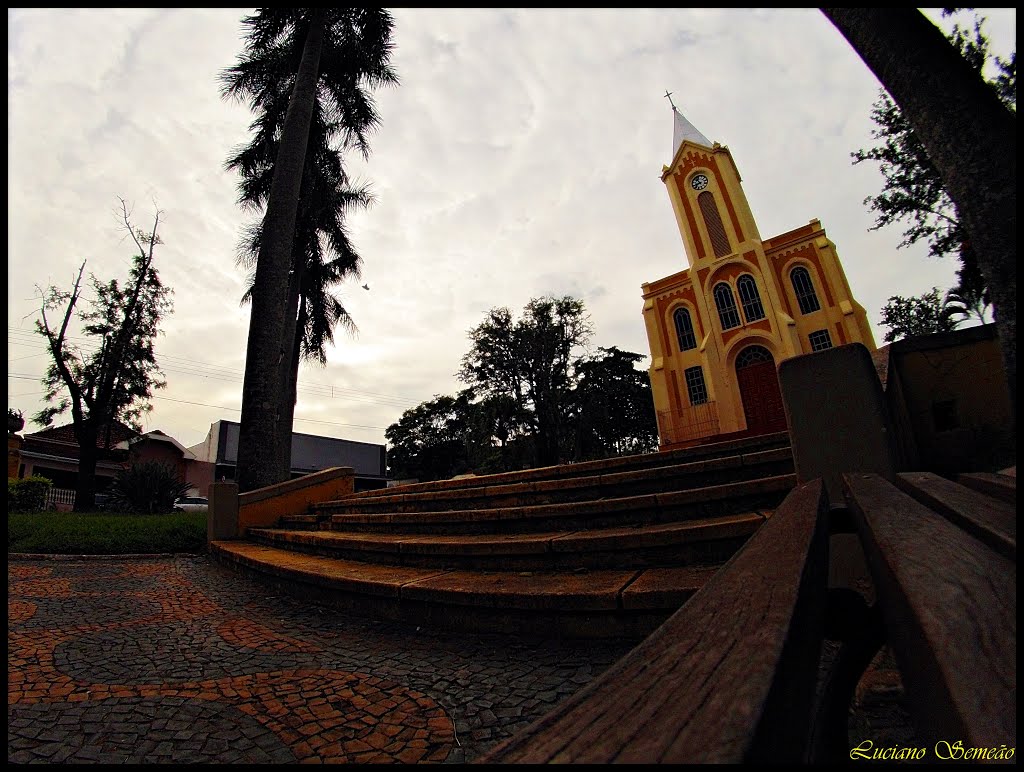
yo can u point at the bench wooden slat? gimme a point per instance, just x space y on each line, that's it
994 521
729 678
999 485
950 608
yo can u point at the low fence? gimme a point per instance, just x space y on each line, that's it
690 423
60 498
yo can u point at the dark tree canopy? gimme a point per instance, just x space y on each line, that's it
913 191
116 380
614 408
920 315
531 361
519 370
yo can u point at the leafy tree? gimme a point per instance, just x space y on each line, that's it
428 441
531 361
15 420
147 487
614 406
116 381
354 47
499 434
967 303
967 132
920 315
533 400
913 190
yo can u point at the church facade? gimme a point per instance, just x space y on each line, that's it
719 329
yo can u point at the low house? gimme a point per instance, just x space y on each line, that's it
54 453
162 448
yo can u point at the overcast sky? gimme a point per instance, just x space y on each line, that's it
519 157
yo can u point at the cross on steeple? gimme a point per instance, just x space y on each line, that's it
668 96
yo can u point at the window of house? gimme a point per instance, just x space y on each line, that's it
750 298
695 386
804 289
713 222
726 304
684 330
820 340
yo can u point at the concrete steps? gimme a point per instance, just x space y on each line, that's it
606 548
705 540
598 603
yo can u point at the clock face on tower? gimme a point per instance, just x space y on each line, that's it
699 182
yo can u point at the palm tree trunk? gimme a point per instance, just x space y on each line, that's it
290 368
261 390
969 135
289 392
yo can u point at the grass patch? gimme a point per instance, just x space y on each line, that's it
105 533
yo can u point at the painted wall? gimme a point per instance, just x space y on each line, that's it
950 390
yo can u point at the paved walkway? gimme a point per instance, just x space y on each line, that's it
179 660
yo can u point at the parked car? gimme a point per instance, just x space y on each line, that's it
192 504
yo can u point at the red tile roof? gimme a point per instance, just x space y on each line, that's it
119 432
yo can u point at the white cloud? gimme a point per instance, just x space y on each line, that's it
519 157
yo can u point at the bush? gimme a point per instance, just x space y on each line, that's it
27 494
146 487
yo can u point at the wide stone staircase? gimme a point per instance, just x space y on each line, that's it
597 549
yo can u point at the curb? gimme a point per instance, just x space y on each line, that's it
141 556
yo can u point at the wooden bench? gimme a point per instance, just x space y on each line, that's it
736 675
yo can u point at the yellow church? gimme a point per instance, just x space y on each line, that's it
719 329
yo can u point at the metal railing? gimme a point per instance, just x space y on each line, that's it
63 496
690 423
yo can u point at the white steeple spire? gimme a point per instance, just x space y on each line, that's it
683 129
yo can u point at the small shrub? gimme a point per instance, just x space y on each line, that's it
147 487
27 494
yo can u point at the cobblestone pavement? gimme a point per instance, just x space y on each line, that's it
179 660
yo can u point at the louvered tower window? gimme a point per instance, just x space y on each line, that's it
713 222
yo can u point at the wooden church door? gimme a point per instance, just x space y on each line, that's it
759 389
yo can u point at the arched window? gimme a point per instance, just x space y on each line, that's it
750 298
804 289
713 222
726 304
684 329
753 355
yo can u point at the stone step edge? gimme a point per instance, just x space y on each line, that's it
570 484
759 486
705 452
607 590
611 539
